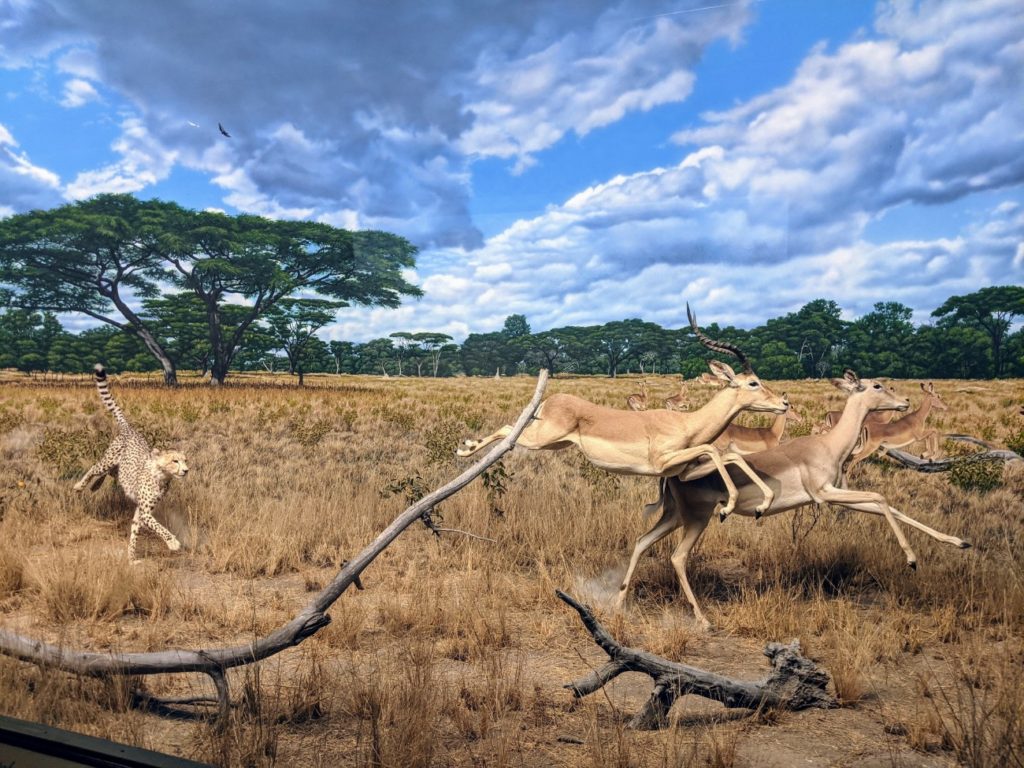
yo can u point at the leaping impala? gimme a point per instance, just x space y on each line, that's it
656 443
903 432
746 440
802 471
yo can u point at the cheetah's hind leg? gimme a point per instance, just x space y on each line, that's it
97 473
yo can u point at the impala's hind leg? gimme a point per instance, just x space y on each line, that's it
694 526
871 502
542 432
665 525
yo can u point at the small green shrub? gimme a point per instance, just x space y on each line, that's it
10 419
1015 442
977 475
68 451
309 432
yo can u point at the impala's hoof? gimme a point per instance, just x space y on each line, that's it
912 564
965 544
758 513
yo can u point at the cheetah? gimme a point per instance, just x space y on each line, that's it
142 472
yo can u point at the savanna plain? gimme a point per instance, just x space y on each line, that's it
457 650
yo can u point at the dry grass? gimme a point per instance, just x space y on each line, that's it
456 652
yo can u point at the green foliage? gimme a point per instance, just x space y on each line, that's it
440 442
977 475
309 431
412 488
10 419
1015 442
68 451
495 480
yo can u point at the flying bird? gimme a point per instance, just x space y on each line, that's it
221 129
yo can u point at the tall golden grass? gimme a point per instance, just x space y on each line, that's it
456 651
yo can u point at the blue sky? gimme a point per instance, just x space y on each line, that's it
574 162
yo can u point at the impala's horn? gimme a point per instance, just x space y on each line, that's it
718 346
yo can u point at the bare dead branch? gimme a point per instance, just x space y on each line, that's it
794 683
311 619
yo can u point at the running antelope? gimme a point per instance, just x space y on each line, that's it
655 443
804 470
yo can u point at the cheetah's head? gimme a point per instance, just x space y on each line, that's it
171 463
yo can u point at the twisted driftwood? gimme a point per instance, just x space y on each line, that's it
795 682
311 619
945 465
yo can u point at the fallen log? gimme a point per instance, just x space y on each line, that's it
795 682
214 662
945 465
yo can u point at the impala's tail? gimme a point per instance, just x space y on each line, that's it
106 398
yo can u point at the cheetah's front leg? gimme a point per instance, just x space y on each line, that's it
144 516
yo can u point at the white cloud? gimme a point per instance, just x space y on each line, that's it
144 161
24 184
77 93
348 108
588 78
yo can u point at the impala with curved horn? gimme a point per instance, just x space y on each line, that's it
656 443
804 470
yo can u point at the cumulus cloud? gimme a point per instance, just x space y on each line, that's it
589 78
78 92
25 185
345 114
927 112
770 207
144 161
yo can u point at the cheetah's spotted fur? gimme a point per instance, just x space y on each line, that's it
142 472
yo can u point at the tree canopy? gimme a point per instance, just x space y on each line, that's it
98 256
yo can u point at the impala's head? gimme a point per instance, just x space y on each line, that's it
877 396
752 395
931 394
791 414
171 463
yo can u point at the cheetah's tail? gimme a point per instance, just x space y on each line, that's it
100 374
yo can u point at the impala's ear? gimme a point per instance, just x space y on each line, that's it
723 371
844 384
929 388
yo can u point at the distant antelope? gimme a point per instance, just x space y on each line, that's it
678 402
903 432
638 402
752 439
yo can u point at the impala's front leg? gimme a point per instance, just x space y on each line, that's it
673 462
769 494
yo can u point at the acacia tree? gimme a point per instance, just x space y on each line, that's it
293 324
95 257
432 344
266 261
100 255
991 309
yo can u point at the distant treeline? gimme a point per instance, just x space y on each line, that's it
223 293
971 338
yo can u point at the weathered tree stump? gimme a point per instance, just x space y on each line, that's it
795 682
